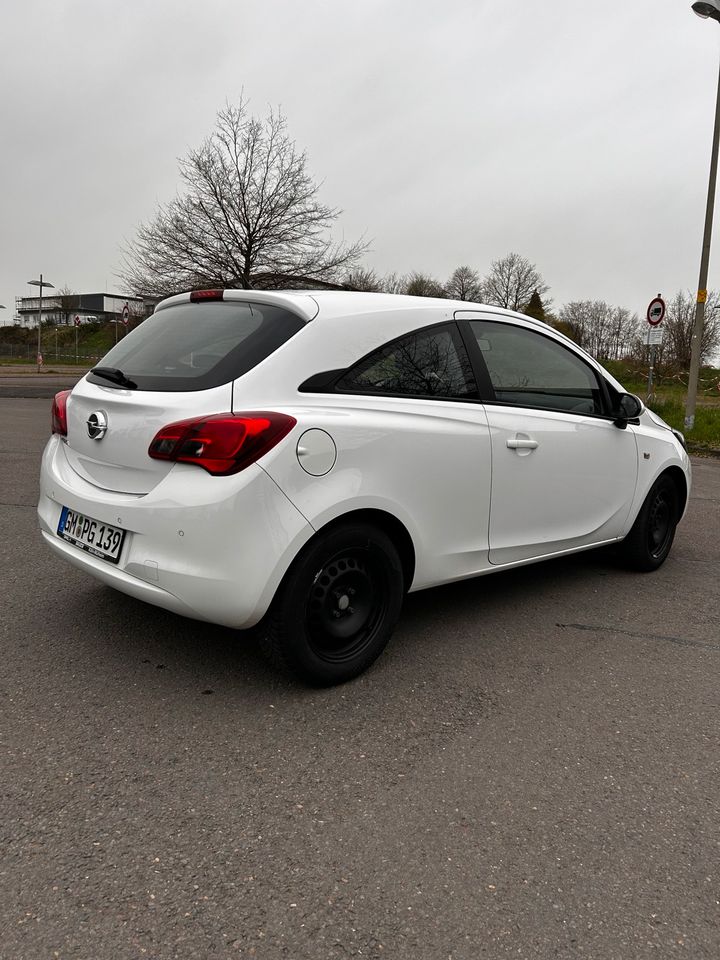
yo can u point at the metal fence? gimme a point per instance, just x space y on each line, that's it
28 352
19 350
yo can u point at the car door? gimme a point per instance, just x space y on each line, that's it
563 474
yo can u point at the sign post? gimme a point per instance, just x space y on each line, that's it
77 324
655 316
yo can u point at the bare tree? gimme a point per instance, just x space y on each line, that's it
363 279
624 326
512 281
248 216
678 329
464 284
575 319
423 285
606 332
394 283
138 313
69 302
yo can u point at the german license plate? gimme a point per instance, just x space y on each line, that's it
99 539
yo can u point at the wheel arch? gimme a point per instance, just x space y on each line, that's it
390 525
680 481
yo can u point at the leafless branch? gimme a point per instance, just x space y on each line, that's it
248 210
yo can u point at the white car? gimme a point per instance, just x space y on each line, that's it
300 460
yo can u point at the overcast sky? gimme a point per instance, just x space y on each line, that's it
577 134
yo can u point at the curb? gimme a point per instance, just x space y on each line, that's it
710 453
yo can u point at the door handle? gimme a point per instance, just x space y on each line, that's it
518 443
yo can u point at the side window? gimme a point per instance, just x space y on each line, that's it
427 363
529 370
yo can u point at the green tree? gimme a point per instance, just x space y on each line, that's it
535 307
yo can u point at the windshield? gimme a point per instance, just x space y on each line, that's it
196 346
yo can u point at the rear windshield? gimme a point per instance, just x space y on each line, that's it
195 346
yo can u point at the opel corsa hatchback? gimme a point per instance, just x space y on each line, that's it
301 460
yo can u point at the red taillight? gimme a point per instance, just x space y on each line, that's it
58 415
222 444
198 296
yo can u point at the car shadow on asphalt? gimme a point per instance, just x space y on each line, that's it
202 656
529 582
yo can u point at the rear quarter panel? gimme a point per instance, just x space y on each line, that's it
427 463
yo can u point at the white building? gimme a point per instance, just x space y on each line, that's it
61 309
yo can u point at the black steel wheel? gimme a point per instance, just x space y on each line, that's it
347 603
338 605
647 545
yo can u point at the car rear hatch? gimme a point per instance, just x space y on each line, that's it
180 363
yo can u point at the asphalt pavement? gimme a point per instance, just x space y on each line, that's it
24 382
531 770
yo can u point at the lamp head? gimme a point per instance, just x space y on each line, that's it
707 9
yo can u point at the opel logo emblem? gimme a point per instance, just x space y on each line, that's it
97 425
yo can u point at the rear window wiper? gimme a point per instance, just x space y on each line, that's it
114 376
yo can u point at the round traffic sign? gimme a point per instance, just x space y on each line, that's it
656 311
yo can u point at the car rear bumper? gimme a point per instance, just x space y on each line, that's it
212 548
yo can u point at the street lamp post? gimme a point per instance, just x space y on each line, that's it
40 283
707 9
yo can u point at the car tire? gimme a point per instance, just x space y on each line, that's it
647 545
337 606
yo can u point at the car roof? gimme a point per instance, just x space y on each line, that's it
352 303
336 304
331 305
345 303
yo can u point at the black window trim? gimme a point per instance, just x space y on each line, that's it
487 391
327 381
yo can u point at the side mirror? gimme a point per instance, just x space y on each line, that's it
628 410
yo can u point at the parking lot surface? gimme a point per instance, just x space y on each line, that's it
25 382
531 770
